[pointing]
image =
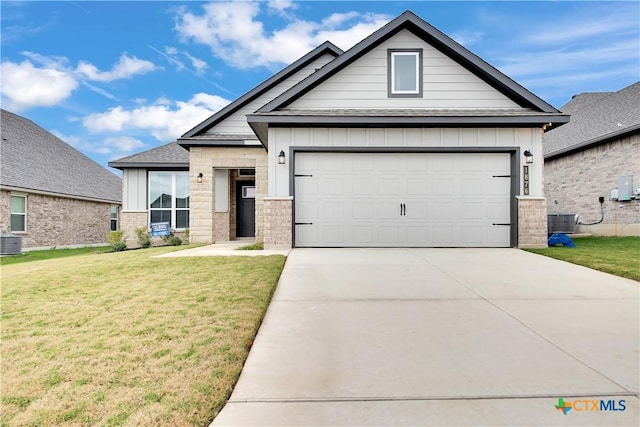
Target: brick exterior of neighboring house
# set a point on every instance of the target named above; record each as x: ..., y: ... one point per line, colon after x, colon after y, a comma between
x: 585, y: 158
x: 67, y: 198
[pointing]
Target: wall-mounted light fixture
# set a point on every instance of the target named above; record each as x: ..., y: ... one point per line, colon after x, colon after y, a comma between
x: 528, y: 157
x: 281, y: 158
x: 200, y: 178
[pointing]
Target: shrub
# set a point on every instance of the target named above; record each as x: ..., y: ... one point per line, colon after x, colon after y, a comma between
x: 144, y: 237
x: 172, y: 239
x: 116, y: 241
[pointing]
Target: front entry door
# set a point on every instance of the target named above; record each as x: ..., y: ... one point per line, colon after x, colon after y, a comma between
x: 246, y: 209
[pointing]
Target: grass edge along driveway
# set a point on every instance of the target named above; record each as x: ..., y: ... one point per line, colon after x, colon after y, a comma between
x: 614, y: 255
x: 124, y: 338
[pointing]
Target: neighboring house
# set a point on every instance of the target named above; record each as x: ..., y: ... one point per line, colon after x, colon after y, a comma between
x: 50, y: 193
x: 598, y: 152
x: 406, y: 139
x: 155, y: 189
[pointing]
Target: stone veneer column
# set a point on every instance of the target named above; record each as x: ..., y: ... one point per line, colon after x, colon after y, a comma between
x: 532, y: 222
x: 129, y: 221
x: 277, y: 221
x: 202, y: 225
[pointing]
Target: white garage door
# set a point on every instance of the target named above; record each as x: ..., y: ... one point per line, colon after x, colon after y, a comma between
x: 402, y: 200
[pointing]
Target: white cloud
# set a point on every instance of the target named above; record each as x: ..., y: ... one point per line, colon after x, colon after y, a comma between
x: 25, y: 86
x: 281, y: 5
x: 235, y: 34
x: 467, y: 38
x: 164, y: 121
x: 45, y: 81
x: 197, y: 63
x: 126, y: 67
x: 124, y: 143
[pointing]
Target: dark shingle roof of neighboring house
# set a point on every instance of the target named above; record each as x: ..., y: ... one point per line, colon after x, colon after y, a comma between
x: 595, y: 118
x: 169, y: 156
x: 33, y: 159
x: 410, y: 21
x: 324, y: 48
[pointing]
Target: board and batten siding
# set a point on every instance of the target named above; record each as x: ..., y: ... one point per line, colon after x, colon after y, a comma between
x: 236, y: 123
x: 283, y: 138
x: 134, y: 197
x: 363, y: 84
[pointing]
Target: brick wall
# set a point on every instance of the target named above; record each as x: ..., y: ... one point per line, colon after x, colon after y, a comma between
x: 532, y: 222
x: 574, y: 182
x: 277, y: 225
x: 59, y: 221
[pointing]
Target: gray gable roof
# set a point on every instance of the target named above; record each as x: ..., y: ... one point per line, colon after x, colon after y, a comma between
x: 326, y: 47
x: 595, y: 118
x: 34, y: 159
x: 169, y: 156
x: 410, y: 21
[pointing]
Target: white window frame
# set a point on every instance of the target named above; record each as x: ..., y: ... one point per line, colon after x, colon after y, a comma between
x: 112, y: 219
x: 19, y: 213
x: 396, y: 93
x: 173, y: 208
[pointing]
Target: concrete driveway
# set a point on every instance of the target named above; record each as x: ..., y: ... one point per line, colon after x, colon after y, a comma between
x: 441, y: 337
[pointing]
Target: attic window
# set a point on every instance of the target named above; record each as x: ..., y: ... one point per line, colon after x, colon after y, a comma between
x: 404, y: 73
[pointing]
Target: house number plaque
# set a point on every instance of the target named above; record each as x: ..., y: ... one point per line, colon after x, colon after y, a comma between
x: 525, y: 174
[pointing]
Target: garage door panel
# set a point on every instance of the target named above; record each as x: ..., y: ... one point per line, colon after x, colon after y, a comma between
x: 333, y: 234
x: 333, y: 210
x: 363, y: 210
x: 388, y: 210
x: 402, y: 199
x: 388, y: 235
x: 442, y: 210
x: 472, y: 210
x: 333, y: 186
x: 363, y: 235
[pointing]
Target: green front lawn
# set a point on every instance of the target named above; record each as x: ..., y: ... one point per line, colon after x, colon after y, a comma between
x: 51, y: 254
x: 124, y: 338
x: 615, y: 255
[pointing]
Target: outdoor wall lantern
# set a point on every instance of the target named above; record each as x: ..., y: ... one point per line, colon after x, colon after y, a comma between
x: 528, y: 156
x: 281, y: 157
x: 200, y: 178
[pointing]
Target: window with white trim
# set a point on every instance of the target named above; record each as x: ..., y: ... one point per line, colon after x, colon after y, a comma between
x: 114, y: 218
x: 18, y: 213
x: 405, y: 73
x: 169, y: 198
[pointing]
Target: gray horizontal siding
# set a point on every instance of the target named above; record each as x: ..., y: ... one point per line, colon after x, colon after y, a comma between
x: 446, y: 83
x: 236, y: 123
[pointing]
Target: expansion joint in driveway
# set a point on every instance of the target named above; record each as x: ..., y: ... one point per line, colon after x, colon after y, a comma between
x: 429, y: 398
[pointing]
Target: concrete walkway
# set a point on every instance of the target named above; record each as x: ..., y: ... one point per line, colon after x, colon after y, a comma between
x: 226, y: 249
x: 441, y: 337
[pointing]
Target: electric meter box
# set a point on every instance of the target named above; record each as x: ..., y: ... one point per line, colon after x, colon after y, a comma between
x: 625, y: 187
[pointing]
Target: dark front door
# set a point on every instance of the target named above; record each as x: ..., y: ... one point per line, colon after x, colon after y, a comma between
x: 246, y: 209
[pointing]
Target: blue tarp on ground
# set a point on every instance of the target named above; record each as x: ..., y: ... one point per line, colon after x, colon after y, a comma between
x: 561, y: 239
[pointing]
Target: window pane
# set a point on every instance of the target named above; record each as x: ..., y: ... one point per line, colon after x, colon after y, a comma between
x: 161, y: 216
x: 114, y: 225
x: 18, y: 222
x: 182, y: 189
x: 404, y: 78
x: 114, y: 212
x: 18, y: 204
x: 182, y: 219
x: 160, y: 190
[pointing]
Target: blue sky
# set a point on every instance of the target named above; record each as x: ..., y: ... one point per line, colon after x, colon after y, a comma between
x: 116, y: 78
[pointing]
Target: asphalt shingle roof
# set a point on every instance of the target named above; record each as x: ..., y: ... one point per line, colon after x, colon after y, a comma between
x: 595, y: 117
x: 169, y: 156
x: 34, y: 159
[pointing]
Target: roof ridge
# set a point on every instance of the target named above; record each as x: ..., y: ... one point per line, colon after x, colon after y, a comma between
x: 412, y: 22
